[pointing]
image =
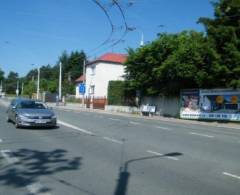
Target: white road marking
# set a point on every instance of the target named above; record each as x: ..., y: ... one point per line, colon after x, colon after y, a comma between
x: 203, y: 135
x: 75, y: 127
x: 7, y: 155
x: 223, y: 126
x: 1, y: 140
x: 113, y: 140
x: 231, y: 175
x: 114, y: 119
x: 36, y: 188
x: 163, y: 128
x: 134, y: 123
x: 159, y: 154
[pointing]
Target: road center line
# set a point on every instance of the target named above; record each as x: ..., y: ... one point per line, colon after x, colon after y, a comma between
x: 113, y: 140
x: 159, y: 154
x: 114, y: 119
x: 7, y: 155
x: 36, y: 189
x: 203, y: 135
x: 134, y: 123
x: 163, y: 128
x: 231, y: 175
x: 75, y: 127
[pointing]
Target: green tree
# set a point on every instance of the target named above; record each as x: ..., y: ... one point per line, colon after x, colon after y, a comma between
x: 224, y: 34
x: 30, y: 88
x: 1, y: 75
x: 192, y: 64
x: 49, y: 85
x: 72, y: 68
x: 172, y: 62
x: 72, y: 64
x: 11, y: 82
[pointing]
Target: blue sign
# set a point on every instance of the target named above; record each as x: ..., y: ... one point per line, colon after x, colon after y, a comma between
x: 82, y: 88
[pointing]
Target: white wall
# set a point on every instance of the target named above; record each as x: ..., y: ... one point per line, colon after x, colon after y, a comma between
x: 168, y: 106
x: 78, y: 95
x: 104, y: 73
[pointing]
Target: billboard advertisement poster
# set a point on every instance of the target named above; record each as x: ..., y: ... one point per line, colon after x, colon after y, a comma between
x: 212, y: 104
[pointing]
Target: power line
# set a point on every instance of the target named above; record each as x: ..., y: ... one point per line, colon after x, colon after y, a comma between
x: 110, y: 22
x: 125, y: 23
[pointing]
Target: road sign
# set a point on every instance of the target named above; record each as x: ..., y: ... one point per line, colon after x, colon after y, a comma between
x: 82, y: 88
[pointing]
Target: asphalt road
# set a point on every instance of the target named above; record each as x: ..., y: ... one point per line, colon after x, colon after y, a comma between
x: 101, y: 154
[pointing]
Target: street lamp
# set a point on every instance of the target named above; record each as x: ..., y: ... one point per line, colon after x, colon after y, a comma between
x: 60, y: 82
x: 38, y: 82
x: 17, y: 90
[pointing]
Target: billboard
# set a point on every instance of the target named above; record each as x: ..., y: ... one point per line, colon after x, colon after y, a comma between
x: 211, y: 104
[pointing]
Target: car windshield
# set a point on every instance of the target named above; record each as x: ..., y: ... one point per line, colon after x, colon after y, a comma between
x: 31, y: 105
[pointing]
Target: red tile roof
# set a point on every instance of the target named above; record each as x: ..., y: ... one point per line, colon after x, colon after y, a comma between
x: 80, y: 79
x: 112, y: 58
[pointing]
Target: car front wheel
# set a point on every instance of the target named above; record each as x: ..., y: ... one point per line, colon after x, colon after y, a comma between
x: 8, y: 120
x: 17, y: 122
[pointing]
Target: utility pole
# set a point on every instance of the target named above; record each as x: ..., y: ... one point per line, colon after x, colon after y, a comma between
x: 1, y: 88
x: 38, y: 84
x: 17, y: 90
x: 60, y: 82
x: 22, y: 88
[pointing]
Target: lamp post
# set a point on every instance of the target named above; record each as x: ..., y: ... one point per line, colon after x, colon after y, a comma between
x: 60, y: 82
x: 38, y: 81
x: 22, y: 88
x: 17, y: 90
x: 1, y: 87
x: 38, y: 84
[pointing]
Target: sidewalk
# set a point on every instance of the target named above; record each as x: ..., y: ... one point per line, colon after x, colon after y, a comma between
x: 79, y: 107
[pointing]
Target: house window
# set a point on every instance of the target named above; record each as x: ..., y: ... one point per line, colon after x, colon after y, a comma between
x: 91, y: 89
x: 93, y: 70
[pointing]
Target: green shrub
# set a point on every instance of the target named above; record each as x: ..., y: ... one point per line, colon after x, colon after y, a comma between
x: 116, y: 93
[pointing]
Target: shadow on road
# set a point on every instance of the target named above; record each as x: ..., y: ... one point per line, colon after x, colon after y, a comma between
x: 124, y: 174
x: 33, y: 164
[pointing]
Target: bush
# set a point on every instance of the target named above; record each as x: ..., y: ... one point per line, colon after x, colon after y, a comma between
x: 116, y: 93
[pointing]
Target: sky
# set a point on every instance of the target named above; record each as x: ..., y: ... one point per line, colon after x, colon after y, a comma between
x: 34, y: 33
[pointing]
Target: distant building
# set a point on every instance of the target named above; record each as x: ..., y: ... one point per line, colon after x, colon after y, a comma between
x: 99, y: 72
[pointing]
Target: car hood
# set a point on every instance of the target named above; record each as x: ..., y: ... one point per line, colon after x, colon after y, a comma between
x: 35, y: 112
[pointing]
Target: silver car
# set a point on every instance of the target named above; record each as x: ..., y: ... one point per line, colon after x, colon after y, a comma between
x: 30, y: 113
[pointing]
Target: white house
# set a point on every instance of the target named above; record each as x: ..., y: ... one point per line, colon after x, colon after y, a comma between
x: 99, y: 72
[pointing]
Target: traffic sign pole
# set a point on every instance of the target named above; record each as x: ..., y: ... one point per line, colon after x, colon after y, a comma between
x: 84, y: 76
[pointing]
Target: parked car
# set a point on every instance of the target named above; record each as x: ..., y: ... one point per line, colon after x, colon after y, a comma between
x: 30, y: 113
